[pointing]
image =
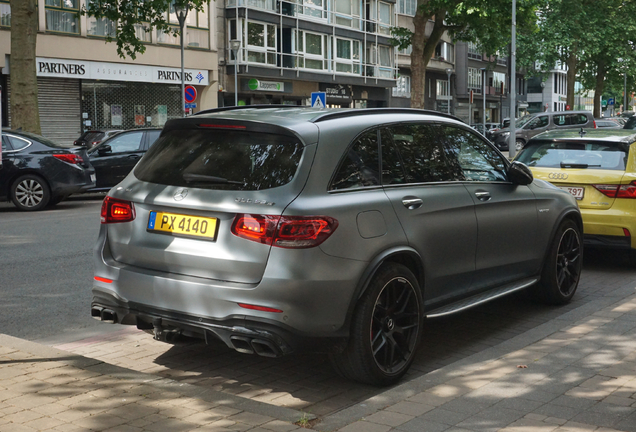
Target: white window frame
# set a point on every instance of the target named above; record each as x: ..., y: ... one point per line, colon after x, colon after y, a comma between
x: 407, y: 7
x: 442, y: 88
x: 383, y: 26
x: 269, y: 51
x: 497, y: 79
x: 402, y: 87
x: 355, y: 63
x: 474, y: 79
x: 350, y: 18
x: 318, y: 12
x: 473, y: 51
x: 302, y: 54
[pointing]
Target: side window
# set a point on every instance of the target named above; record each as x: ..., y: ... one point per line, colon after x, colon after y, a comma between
x: 126, y: 142
x: 421, y: 149
x: 392, y: 165
x: 478, y: 160
x: 562, y: 120
x: 17, y: 143
x: 581, y: 119
x: 6, y: 144
x: 152, y: 136
x: 360, y: 165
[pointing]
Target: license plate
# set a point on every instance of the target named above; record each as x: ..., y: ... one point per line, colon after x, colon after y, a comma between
x: 93, y: 177
x: 576, y: 192
x: 182, y: 225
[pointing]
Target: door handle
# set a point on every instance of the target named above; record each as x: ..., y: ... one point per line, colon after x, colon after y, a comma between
x: 133, y: 156
x: 483, y: 196
x: 412, y: 203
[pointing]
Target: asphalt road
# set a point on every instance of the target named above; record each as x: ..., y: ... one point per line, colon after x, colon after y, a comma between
x: 46, y: 270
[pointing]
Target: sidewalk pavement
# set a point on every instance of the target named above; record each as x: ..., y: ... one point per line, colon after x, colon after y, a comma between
x: 574, y: 373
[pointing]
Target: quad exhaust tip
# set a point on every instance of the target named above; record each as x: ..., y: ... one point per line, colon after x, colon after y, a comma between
x: 261, y: 347
x: 105, y: 315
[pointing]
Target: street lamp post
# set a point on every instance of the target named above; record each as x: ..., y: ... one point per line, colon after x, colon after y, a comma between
x: 235, y: 46
x: 182, y: 12
x: 449, y: 71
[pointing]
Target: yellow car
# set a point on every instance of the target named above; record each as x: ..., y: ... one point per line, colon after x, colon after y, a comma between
x: 598, y: 167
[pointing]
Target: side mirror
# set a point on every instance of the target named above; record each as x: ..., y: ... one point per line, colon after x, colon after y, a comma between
x: 105, y: 149
x: 519, y: 173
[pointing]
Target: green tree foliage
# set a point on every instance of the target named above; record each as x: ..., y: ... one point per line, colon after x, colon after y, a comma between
x: 485, y: 22
x: 130, y: 15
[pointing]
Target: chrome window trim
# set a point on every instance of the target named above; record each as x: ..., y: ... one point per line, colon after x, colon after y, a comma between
x: 29, y: 143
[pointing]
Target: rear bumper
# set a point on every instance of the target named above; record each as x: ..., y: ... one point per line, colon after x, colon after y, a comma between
x: 614, y: 242
x: 606, y: 227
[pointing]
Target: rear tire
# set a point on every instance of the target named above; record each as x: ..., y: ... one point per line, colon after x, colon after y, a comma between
x: 562, y: 269
x: 30, y: 193
x: 385, y: 331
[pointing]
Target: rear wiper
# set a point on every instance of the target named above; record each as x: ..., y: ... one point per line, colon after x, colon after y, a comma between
x: 209, y: 179
x: 577, y: 165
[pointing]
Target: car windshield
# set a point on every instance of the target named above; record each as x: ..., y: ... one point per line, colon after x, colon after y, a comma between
x: 575, y: 154
x: 228, y: 160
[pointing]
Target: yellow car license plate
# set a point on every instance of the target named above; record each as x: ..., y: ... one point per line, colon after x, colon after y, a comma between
x: 182, y: 225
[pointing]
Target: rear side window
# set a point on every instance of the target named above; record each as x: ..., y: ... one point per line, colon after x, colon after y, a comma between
x: 360, y: 165
x: 565, y: 154
x: 220, y: 159
x: 152, y: 136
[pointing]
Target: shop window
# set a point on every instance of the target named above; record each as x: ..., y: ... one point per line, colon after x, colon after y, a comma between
x: 311, y: 48
x: 402, y: 87
x: 407, y: 7
x: 347, y: 56
x: 62, y: 16
x: 261, y: 43
x: 5, y: 13
x: 385, y: 18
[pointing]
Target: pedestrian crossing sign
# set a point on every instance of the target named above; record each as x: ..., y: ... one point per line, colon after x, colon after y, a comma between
x: 318, y: 99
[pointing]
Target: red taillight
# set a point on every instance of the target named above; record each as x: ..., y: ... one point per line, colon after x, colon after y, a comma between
x: 259, y: 308
x: 626, y: 232
x: 69, y: 158
x: 594, y: 124
x: 219, y: 126
x: 295, y: 232
x: 101, y: 279
x: 115, y: 211
x: 618, y: 191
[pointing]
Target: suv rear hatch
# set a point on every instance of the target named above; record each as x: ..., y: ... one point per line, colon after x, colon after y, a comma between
x: 199, y: 183
x: 592, y: 171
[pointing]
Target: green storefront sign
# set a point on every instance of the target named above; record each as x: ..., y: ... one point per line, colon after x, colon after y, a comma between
x: 270, y: 86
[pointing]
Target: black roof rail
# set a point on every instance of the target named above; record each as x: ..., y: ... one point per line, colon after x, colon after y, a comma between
x: 363, y: 111
x: 232, y: 108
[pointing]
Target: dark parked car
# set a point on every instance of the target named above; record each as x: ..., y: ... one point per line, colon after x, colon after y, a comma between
x: 490, y: 128
x: 274, y: 228
x: 607, y: 124
x: 115, y: 157
x: 37, y: 172
x: 91, y: 138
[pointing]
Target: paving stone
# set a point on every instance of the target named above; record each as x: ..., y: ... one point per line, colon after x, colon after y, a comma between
x: 389, y: 418
x: 419, y: 424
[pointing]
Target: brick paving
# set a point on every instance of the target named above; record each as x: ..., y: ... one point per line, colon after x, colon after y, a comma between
x: 508, y: 366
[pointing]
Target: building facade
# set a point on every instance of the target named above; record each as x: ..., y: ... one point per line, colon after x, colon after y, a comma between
x: 83, y: 83
x: 286, y: 50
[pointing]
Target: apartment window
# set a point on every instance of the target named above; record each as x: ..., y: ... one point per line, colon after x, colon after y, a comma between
x: 198, y: 32
x: 407, y: 7
x: 5, y: 13
x: 261, y: 43
x: 402, y: 87
x: 260, y: 4
x: 474, y: 79
x: 314, y: 8
x: 347, y: 55
x: 62, y: 15
x: 474, y: 52
x: 445, y: 51
x: 347, y: 13
x: 102, y: 27
x: 385, y: 18
x: 406, y: 51
x: 311, y: 50
x: 499, y: 82
x: 501, y: 59
x: 443, y: 89
x: 385, y: 54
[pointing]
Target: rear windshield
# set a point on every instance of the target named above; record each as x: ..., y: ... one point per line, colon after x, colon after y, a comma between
x: 564, y: 154
x: 92, y: 136
x: 219, y: 159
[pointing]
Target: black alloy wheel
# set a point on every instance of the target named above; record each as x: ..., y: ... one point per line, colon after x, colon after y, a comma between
x: 386, y: 329
x: 562, y: 269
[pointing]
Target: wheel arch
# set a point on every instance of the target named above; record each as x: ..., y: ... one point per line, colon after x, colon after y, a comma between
x: 569, y: 214
x: 404, y: 255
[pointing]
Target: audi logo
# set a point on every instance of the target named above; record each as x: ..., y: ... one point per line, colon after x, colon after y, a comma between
x: 557, y: 176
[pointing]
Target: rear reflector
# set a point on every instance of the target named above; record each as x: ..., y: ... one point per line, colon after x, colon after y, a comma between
x: 101, y: 279
x: 115, y: 211
x: 293, y: 232
x: 618, y: 191
x: 626, y: 232
x: 71, y: 158
x: 259, y: 308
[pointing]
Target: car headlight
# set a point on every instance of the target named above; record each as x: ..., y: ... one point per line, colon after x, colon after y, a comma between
x: 504, y: 134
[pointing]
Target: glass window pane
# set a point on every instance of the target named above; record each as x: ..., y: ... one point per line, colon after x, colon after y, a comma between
x: 100, y: 27
x: 57, y: 3
x: 61, y: 21
x: 344, y: 6
x: 204, y: 21
x: 313, y: 64
x: 313, y: 44
x: 360, y: 166
x: 126, y: 142
x: 271, y: 36
x: 356, y: 50
x: 478, y: 160
x: 256, y: 34
x: 385, y: 56
x: 343, y: 49
x: 257, y: 57
x: 385, y: 13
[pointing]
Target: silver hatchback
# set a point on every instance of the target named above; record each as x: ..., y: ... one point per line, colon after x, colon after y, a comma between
x: 276, y: 229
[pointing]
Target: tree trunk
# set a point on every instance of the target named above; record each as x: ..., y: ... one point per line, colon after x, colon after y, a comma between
x: 598, y: 90
x: 423, y: 50
x: 571, y: 78
x: 24, y: 86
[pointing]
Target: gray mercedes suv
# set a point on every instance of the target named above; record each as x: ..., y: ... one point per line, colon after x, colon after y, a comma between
x: 276, y: 229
